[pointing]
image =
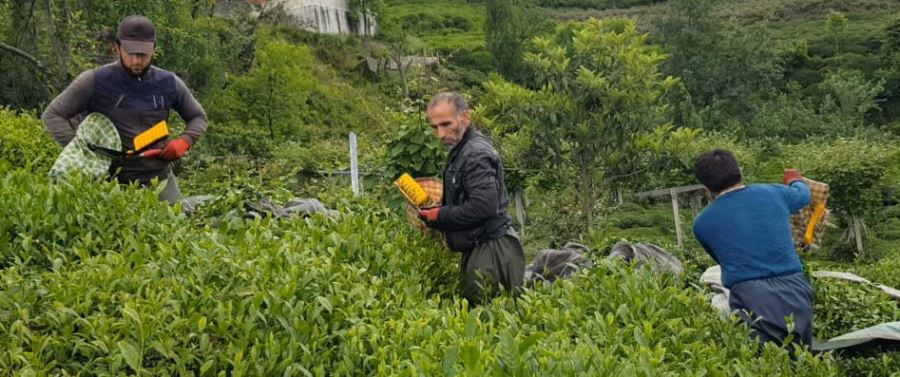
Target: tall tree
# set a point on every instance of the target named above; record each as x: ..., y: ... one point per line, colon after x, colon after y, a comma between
x: 509, y: 25
x: 368, y: 11
x: 727, y: 70
x: 400, y: 45
x: 502, y: 28
x: 600, y: 90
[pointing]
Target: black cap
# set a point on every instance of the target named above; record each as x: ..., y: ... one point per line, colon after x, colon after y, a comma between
x: 137, y: 35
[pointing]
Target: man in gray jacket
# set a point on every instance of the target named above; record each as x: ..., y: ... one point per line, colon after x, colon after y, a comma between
x: 135, y: 96
x: 473, y: 214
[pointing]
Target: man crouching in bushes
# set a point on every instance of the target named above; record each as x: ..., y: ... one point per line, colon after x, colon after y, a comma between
x: 473, y: 213
x: 746, y: 229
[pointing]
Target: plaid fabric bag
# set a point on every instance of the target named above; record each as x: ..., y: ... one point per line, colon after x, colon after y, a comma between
x: 77, y: 156
x: 808, y: 225
x: 434, y: 187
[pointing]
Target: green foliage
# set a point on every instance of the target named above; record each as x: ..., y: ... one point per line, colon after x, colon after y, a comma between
x: 25, y: 142
x: 837, y: 24
x: 64, y: 39
x: 851, y: 93
x: 443, y: 26
x: 509, y: 25
x: 426, y: 22
x: 670, y: 155
x: 149, y: 292
x: 842, y: 307
x: 726, y: 70
x: 204, y: 52
x: 853, y: 168
x: 601, y: 87
x: 43, y: 224
x: 268, y: 98
x: 595, y: 4
x: 414, y: 149
x: 793, y: 116
x: 287, y: 96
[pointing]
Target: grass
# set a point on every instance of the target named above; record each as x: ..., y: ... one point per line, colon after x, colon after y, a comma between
x: 467, y: 17
x: 774, y: 12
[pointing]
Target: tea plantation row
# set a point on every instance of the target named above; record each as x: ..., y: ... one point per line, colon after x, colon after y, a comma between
x: 99, y: 280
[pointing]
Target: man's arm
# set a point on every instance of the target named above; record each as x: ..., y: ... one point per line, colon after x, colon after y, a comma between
x: 191, y: 111
x: 483, y: 195
x: 58, y: 116
x: 796, y: 195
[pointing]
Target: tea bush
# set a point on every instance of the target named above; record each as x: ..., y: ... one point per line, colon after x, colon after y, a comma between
x: 130, y: 286
x: 24, y: 141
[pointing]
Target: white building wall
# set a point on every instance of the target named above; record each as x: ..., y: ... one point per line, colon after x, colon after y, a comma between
x: 323, y: 16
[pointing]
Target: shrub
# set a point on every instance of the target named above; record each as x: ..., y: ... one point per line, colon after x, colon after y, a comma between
x: 43, y: 224
x: 25, y: 142
x: 853, y: 168
x: 146, y: 291
x: 414, y: 149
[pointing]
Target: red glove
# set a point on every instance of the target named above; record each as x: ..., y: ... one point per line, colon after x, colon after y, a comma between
x: 151, y: 153
x: 429, y: 214
x: 175, y: 150
x: 791, y: 175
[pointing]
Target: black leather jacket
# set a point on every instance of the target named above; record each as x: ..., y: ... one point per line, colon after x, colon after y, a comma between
x: 474, y: 205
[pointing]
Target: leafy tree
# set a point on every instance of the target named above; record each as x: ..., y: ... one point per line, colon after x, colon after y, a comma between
x: 600, y: 89
x: 502, y: 29
x: 400, y: 45
x: 727, y: 70
x: 851, y: 93
x: 270, y: 96
x: 508, y: 27
x: 837, y: 24
x: 368, y: 11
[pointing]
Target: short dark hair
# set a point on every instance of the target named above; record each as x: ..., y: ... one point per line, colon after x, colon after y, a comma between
x: 718, y: 170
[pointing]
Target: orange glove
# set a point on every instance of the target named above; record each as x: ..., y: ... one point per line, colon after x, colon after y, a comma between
x: 175, y: 150
x: 791, y: 175
x: 429, y: 214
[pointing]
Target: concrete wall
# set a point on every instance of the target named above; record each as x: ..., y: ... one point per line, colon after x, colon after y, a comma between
x: 325, y: 16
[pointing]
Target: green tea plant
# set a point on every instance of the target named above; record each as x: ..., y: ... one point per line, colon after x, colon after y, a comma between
x: 133, y: 287
x: 414, y: 149
x: 24, y: 141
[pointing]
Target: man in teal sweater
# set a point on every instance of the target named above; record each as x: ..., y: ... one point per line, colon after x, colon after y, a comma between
x: 746, y: 229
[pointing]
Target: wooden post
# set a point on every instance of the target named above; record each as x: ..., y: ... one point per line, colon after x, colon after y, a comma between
x: 619, y: 196
x: 354, y: 165
x: 675, y: 211
x: 520, y: 212
x: 695, y: 203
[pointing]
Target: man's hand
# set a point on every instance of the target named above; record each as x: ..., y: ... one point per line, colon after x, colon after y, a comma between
x: 791, y: 175
x: 429, y: 214
x: 175, y: 150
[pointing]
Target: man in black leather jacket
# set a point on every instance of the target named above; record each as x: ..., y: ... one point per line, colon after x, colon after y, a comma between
x: 473, y: 213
